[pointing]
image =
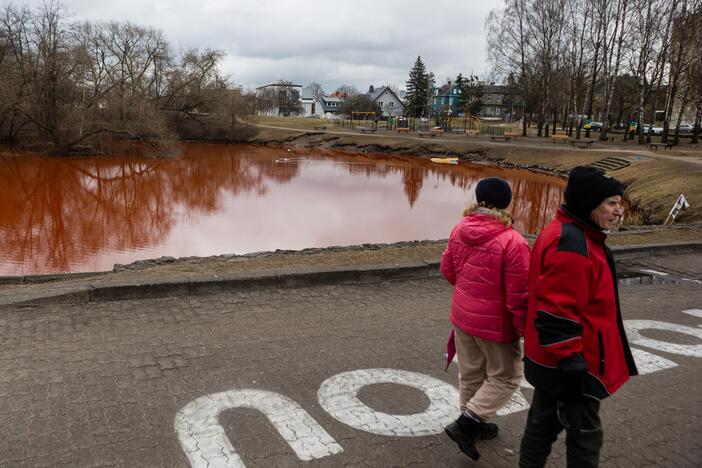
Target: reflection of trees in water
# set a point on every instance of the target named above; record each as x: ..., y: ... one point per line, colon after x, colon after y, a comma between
x: 535, y: 197
x: 60, y: 212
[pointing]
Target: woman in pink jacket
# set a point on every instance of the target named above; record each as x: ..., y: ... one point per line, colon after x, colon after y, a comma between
x: 487, y: 261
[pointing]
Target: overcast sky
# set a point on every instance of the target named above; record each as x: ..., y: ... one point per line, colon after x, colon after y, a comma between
x: 359, y: 42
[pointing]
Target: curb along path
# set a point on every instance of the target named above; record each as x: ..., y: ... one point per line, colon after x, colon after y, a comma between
x: 85, y: 288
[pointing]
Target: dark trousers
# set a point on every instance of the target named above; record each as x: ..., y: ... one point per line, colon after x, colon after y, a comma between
x: 583, y: 431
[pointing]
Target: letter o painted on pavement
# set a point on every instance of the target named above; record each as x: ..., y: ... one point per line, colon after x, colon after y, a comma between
x: 338, y: 395
x: 633, y: 328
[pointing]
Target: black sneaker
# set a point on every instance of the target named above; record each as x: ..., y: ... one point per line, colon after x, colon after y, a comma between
x: 463, y: 431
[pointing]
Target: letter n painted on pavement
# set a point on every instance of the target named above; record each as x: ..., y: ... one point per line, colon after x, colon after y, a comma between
x: 206, y: 445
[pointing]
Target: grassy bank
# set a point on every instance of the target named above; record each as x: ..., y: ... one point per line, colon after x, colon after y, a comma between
x: 653, y: 178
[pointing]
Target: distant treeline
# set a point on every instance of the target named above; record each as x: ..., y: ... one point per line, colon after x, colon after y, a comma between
x: 66, y: 85
x: 616, y: 61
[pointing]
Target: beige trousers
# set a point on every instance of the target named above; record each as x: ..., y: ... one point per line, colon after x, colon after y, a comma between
x: 488, y: 373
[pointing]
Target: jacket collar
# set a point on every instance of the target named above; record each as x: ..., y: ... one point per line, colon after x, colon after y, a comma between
x: 564, y: 216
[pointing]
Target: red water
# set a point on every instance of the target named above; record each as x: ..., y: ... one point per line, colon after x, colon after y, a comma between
x: 86, y: 214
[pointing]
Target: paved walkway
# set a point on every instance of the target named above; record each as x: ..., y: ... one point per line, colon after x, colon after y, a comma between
x: 270, y: 377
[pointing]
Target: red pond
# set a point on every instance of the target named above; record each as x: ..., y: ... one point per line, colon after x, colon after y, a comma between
x: 86, y: 214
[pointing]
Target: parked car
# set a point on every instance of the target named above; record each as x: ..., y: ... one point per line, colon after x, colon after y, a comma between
x: 685, y: 128
x: 653, y: 131
x: 596, y: 126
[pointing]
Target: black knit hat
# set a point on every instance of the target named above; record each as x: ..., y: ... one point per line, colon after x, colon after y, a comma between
x: 587, y: 188
x: 493, y: 192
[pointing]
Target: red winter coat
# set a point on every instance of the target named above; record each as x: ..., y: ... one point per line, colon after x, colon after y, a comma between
x: 488, y: 263
x: 574, y: 310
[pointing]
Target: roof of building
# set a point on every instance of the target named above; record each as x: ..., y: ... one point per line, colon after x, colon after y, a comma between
x: 276, y: 85
x: 377, y: 92
x: 333, y: 99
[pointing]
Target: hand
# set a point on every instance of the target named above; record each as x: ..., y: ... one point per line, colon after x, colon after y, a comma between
x: 572, y: 385
x: 573, y: 370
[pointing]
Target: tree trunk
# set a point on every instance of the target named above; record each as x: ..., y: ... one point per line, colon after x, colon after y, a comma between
x: 683, y: 104
x: 698, y: 122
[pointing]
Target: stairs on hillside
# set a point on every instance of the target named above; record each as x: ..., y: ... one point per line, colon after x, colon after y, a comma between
x: 611, y: 164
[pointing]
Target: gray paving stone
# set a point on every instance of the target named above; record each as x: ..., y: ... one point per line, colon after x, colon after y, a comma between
x: 100, y: 384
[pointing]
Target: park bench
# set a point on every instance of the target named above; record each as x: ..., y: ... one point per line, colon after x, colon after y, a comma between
x: 513, y: 135
x: 426, y: 134
x: 665, y: 145
x: 320, y: 127
x: 582, y: 143
x: 402, y: 129
x: 437, y: 131
x: 472, y: 133
x: 499, y: 138
x: 563, y: 138
x: 366, y: 129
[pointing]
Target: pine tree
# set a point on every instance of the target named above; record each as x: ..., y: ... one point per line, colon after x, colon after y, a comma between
x: 417, y: 89
x: 471, y: 94
x: 463, y: 96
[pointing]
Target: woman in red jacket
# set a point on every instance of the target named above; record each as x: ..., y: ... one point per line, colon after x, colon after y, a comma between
x: 488, y: 263
x: 576, y: 351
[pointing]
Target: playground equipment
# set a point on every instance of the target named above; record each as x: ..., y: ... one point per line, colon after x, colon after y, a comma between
x: 405, y: 123
x: 460, y: 124
x: 369, y: 120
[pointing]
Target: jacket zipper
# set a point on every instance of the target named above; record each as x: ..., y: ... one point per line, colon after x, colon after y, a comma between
x: 602, y: 359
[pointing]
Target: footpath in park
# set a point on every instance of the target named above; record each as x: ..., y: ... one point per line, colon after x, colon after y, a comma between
x: 315, y: 366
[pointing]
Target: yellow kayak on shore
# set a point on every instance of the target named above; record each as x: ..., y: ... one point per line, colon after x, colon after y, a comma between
x: 445, y: 160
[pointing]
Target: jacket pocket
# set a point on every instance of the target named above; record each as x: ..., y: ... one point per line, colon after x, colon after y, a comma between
x: 602, y: 353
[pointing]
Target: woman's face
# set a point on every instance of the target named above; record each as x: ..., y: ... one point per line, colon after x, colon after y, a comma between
x: 609, y: 213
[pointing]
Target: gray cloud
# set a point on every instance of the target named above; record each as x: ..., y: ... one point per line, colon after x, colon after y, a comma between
x: 361, y: 42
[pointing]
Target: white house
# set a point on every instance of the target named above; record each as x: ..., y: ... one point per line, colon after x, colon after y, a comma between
x: 388, y: 102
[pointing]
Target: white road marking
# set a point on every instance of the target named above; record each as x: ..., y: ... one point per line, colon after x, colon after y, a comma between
x: 648, y: 363
x: 633, y: 328
x: 338, y: 395
x: 205, y: 443
x: 525, y: 384
x: 692, y: 280
x: 694, y: 312
x: 516, y: 404
x: 654, y: 272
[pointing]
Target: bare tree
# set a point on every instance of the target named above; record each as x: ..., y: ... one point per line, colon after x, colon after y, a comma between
x: 65, y: 85
x: 613, y: 57
x: 316, y: 89
x: 347, y: 90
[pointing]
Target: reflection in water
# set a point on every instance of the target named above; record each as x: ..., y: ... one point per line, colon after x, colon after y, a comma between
x: 85, y: 214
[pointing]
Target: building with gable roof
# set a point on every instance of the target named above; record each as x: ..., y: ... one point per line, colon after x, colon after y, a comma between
x: 389, y: 103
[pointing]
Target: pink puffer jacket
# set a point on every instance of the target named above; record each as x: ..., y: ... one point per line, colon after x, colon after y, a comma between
x: 488, y: 263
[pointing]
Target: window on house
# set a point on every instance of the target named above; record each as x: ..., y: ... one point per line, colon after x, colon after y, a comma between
x: 380, y: 103
x: 391, y: 104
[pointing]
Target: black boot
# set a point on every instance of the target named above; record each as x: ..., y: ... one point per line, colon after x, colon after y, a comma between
x: 464, y: 431
x: 488, y: 430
